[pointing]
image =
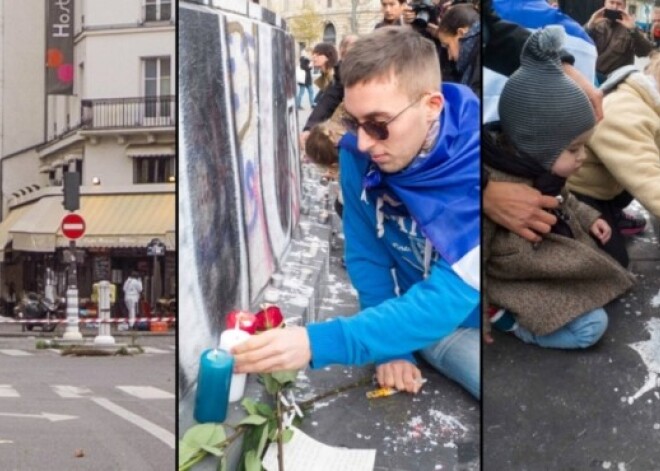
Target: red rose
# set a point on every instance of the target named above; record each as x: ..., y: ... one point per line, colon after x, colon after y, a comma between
x: 246, y: 321
x: 269, y: 317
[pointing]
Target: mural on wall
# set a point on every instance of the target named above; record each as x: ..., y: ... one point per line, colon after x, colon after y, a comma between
x: 238, y: 167
x: 212, y: 259
x: 243, y: 75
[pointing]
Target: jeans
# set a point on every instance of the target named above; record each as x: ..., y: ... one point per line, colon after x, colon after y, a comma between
x: 301, y: 92
x: 457, y: 357
x: 581, y: 332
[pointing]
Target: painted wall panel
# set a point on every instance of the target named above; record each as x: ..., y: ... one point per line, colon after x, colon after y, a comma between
x: 239, y: 168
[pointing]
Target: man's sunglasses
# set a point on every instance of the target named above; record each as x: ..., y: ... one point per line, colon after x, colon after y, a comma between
x: 375, y: 129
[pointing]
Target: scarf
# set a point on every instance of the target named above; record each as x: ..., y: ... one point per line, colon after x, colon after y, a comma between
x: 469, y: 48
x: 440, y: 189
x: 507, y: 159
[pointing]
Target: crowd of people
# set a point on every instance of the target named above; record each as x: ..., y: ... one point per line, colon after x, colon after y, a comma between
x: 573, y: 138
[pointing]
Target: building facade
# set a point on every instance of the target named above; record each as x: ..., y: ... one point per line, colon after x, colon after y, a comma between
x: 337, y: 16
x: 113, y: 124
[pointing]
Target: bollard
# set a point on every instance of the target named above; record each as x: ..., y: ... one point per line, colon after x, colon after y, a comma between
x: 71, y: 331
x: 104, y: 337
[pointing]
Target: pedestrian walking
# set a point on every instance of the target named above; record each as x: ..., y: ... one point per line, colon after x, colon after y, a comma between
x: 304, y: 79
x: 132, y: 293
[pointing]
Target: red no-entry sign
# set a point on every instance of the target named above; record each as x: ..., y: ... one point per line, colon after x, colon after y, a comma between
x: 73, y: 226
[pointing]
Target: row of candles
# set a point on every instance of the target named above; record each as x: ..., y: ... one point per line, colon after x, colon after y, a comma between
x: 217, y: 385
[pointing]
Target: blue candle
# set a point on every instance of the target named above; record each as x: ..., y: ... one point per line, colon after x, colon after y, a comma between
x: 213, y: 383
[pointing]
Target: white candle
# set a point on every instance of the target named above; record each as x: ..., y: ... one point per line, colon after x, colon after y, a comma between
x: 228, y: 339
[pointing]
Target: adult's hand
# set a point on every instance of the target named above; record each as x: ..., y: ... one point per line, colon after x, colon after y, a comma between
x: 273, y: 350
x: 595, y: 95
x: 519, y: 208
x: 627, y: 20
x: 597, y: 17
x: 399, y: 374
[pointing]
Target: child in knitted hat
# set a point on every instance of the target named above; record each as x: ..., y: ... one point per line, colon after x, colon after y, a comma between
x: 550, y: 293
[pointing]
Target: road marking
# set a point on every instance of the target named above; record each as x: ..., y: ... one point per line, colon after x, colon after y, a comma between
x: 70, y: 391
x: 158, y: 432
x: 173, y: 347
x: 15, y: 353
x: 7, y: 391
x: 43, y: 415
x: 154, y: 350
x: 6, y: 441
x: 146, y: 392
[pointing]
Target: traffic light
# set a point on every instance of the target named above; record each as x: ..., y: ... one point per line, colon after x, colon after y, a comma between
x: 71, y: 191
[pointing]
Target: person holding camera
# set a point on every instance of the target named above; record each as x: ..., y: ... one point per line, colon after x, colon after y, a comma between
x: 617, y: 38
x: 392, y: 11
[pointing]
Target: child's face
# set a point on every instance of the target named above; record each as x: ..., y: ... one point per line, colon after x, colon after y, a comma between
x: 571, y: 159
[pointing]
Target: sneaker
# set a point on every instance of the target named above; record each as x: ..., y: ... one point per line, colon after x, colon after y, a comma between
x: 630, y: 225
x: 502, y: 319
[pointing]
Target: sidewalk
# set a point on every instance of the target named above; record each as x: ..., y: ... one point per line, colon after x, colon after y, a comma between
x: 575, y: 410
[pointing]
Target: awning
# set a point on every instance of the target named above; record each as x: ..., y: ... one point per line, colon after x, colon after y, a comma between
x: 150, y: 151
x: 6, y: 225
x: 122, y: 220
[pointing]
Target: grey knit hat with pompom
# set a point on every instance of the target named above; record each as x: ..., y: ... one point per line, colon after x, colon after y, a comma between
x: 541, y: 109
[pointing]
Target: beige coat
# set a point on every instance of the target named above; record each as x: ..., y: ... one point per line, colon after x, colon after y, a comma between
x: 624, y: 152
x: 551, y: 283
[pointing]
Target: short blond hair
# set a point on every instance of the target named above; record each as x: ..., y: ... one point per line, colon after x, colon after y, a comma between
x: 397, y: 50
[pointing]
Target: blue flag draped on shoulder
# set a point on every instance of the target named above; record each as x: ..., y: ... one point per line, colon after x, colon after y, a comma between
x: 535, y: 14
x: 442, y: 191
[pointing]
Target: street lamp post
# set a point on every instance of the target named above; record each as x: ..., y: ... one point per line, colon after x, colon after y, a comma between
x: 155, y: 249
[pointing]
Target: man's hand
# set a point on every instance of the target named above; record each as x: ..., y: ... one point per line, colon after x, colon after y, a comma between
x: 597, y: 17
x: 399, y: 374
x: 273, y: 350
x: 627, y: 20
x: 594, y: 95
x: 520, y: 209
x: 601, y: 230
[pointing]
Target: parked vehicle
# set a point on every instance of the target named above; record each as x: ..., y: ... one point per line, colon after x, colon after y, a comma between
x: 35, y: 307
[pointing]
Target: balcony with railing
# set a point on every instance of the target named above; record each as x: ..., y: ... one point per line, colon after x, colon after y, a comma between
x: 111, y: 113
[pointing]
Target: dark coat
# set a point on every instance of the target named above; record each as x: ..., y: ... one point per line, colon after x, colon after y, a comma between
x: 617, y: 46
x: 327, y: 102
x: 306, y: 65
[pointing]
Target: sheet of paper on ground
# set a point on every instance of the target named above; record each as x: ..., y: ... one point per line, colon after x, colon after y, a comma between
x: 303, y: 453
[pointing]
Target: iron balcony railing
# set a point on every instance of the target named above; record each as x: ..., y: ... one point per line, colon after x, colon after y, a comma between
x: 157, y: 111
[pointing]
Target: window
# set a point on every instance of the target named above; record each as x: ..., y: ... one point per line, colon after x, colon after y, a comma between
x: 153, y: 169
x: 329, y: 34
x: 157, y: 10
x: 632, y: 9
x: 157, y: 83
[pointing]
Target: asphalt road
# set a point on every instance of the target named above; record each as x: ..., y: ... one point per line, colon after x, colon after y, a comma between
x: 117, y: 412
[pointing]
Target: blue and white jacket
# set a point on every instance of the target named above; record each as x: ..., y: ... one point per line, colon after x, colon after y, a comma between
x: 415, y: 266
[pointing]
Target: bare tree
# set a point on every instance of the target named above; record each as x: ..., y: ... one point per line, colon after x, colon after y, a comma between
x: 307, y: 27
x: 355, y: 6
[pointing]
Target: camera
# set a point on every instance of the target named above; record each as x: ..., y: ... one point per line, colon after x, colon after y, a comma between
x: 612, y: 15
x: 425, y: 13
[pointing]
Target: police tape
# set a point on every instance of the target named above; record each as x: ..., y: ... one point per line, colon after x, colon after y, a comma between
x: 60, y: 320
